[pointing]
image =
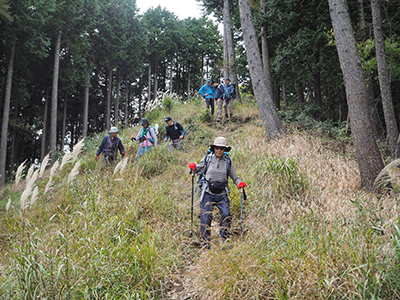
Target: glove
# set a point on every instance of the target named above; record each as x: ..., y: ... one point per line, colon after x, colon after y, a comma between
x: 242, y: 184
x: 97, y: 157
x: 122, y: 154
x: 192, y: 166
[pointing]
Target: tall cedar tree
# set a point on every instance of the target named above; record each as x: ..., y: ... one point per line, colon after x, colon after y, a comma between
x: 270, y: 118
x: 368, y: 157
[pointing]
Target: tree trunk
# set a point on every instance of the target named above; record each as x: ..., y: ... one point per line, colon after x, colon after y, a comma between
x: 64, y: 123
x: 384, y: 81
x: 44, y: 142
x: 188, y: 83
x: 126, y: 117
x: 263, y: 96
x: 265, y: 51
x: 149, y: 81
x: 155, y: 79
x: 171, y: 80
x: 317, y: 78
x: 6, y: 117
x: 231, y: 48
x: 117, y: 92
x: 109, y: 93
x: 86, y: 103
x: 226, y: 58
x: 368, y: 157
x: 54, y: 95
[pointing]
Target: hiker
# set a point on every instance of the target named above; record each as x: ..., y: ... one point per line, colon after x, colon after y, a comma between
x: 176, y: 132
x: 147, y: 137
x: 219, y: 99
x: 229, y: 95
x: 207, y: 91
x: 108, y: 149
x: 216, y: 167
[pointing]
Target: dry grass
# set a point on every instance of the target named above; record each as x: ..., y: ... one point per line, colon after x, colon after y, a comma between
x: 18, y: 174
x: 45, y: 163
x: 313, y: 233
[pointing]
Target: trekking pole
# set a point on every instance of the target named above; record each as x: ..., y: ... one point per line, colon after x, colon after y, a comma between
x: 191, y: 225
x: 242, y: 198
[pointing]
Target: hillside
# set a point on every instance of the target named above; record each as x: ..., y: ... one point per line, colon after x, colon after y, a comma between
x: 311, y: 231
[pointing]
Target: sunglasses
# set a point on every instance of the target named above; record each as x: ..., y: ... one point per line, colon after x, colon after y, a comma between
x: 219, y: 148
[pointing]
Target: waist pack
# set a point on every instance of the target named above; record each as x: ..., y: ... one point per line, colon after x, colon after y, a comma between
x: 217, y: 187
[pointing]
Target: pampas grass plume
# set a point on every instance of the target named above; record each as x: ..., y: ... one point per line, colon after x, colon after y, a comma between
x: 49, y: 185
x: 74, y: 171
x: 18, y: 174
x: 66, y: 159
x: 34, y: 195
x: 121, y: 166
x: 44, y: 165
x: 29, y: 174
x: 78, y: 149
x: 54, y: 168
x: 8, y: 205
x: 28, y: 190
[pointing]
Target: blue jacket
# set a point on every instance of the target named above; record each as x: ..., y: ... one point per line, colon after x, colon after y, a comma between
x: 229, y: 91
x: 207, y: 89
x: 108, y: 145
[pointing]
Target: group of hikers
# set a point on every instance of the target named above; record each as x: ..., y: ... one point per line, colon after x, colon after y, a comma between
x: 147, y: 138
x: 214, y: 169
x: 223, y: 94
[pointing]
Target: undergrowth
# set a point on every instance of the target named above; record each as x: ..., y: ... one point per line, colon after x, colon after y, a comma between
x: 308, y: 229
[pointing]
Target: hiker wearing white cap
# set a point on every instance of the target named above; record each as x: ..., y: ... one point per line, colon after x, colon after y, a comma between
x: 109, y: 149
x: 207, y: 91
x: 216, y: 167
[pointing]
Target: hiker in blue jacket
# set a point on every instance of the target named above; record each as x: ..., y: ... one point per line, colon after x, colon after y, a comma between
x: 147, y: 137
x: 175, y: 132
x: 207, y: 91
x: 229, y: 95
x: 108, y: 149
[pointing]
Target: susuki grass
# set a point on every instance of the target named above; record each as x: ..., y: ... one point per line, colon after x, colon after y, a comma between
x: 312, y: 232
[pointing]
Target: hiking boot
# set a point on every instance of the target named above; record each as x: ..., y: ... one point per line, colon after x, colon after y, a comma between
x: 219, y: 120
x: 226, y: 116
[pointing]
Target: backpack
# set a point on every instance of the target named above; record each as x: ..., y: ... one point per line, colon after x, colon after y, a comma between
x: 202, y: 175
x: 175, y: 127
x: 108, y: 152
x: 149, y: 131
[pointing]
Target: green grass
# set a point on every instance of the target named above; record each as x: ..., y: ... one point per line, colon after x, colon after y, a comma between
x: 312, y: 232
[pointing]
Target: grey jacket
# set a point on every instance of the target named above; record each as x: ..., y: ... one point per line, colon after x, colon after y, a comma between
x: 217, y: 171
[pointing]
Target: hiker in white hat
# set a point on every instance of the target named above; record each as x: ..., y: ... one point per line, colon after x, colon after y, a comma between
x: 216, y: 167
x: 108, y: 149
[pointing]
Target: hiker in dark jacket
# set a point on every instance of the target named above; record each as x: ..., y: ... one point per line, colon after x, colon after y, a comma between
x: 219, y: 99
x: 207, y: 91
x: 175, y: 132
x: 216, y: 167
x: 108, y: 149
x: 147, y: 137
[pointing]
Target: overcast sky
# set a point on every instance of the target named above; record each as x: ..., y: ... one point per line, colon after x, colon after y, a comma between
x: 181, y: 8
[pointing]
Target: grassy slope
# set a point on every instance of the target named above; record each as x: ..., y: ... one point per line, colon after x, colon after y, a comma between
x: 313, y: 233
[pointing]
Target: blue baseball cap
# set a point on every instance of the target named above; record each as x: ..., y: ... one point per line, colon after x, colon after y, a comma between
x: 208, y: 80
x: 167, y: 119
